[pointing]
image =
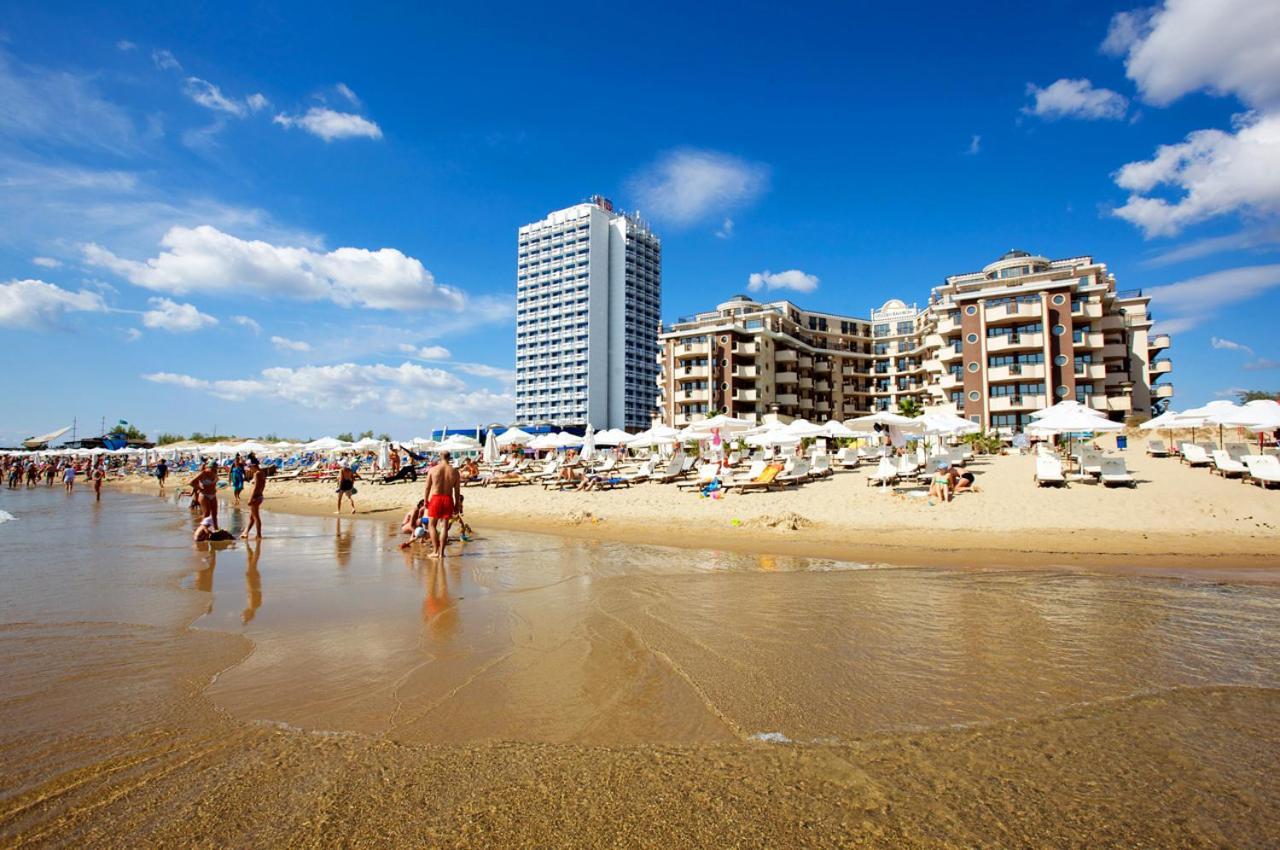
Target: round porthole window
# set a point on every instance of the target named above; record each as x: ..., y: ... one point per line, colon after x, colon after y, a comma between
x: 974, y: 395
x: 724, y: 339
x: 724, y: 386
x: 972, y: 338
x: 1060, y: 360
x: 971, y: 310
x: 973, y: 367
x: 1059, y: 330
x: 1059, y: 298
x: 1062, y: 392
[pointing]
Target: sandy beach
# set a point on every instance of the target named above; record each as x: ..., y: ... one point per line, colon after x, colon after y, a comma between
x: 1176, y: 517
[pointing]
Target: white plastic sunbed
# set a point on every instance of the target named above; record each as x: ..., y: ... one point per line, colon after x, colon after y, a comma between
x: 1226, y: 467
x: 885, y: 473
x: 847, y: 458
x: 1114, y: 474
x: 795, y: 473
x: 675, y: 468
x: 1193, y: 455
x: 1090, y: 463
x: 821, y: 466
x: 1156, y: 448
x: 1264, y: 470
x: 1049, y: 471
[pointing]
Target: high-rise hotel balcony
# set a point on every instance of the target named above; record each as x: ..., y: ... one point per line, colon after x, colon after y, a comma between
x: 1014, y: 342
x: 1162, y: 391
x: 1114, y: 350
x: 785, y: 355
x: 805, y: 362
x: 787, y: 399
x: 1016, y: 372
x: 951, y: 382
x: 746, y: 348
x: 786, y: 378
x: 742, y: 370
x: 697, y: 349
x: 1163, y: 366
x: 1158, y: 341
x: 1003, y: 314
x: 746, y: 395
x: 1016, y: 402
x: 692, y: 373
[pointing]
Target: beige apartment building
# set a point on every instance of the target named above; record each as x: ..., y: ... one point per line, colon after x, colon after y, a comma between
x: 995, y: 345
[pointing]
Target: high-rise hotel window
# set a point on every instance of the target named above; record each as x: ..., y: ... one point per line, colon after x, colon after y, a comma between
x: 1078, y: 333
x: 881, y: 329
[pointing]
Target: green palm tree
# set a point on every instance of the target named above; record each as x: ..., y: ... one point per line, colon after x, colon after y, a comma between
x: 910, y: 408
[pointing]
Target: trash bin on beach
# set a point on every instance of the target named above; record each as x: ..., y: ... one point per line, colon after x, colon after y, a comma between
x: 1122, y: 442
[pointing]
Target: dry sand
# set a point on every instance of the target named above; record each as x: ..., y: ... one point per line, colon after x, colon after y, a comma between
x: 1176, y: 517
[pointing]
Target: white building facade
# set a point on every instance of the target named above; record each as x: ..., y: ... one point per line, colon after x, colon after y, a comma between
x: 588, y: 301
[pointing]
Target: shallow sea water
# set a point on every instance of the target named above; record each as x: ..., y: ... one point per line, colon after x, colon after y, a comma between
x: 1120, y: 695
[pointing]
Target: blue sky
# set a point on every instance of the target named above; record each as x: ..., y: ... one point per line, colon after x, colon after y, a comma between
x: 271, y: 220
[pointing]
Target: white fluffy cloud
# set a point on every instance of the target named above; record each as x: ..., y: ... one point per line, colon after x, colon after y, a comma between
x: 246, y: 322
x: 1217, y: 173
x: 167, y: 315
x: 1075, y: 99
x: 206, y: 260
x: 329, y: 124
x: 685, y: 186
x: 46, y: 262
x: 792, y: 279
x: 286, y: 344
x: 1223, y: 46
x: 1229, y: 345
x: 210, y: 96
x: 36, y: 305
x: 409, y: 390
x: 1190, y: 302
x: 426, y: 352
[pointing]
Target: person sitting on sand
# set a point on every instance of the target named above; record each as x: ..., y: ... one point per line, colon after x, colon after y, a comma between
x: 205, y: 531
x: 964, y: 483
x: 943, y: 483
x: 413, y: 517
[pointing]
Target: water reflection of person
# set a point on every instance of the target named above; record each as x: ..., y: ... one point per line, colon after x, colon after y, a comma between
x: 439, y: 611
x: 252, y: 583
x: 342, y: 544
x: 204, y: 573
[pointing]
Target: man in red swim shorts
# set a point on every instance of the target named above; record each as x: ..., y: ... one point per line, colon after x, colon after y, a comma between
x: 442, y: 493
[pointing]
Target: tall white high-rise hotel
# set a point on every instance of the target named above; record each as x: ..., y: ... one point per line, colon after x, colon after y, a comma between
x: 588, y: 295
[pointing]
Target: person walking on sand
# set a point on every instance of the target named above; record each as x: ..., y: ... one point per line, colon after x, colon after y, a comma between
x: 236, y: 476
x: 347, y: 476
x: 258, y: 479
x: 442, y: 493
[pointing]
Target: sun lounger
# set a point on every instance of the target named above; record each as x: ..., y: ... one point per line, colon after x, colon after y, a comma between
x: 1235, y: 451
x: 674, y: 469
x: 821, y: 467
x: 757, y: 467
x: 1091, y: 463
x: 707, y: 473
x: 1264, y: 470
x: 886, y: 472
x: 796, y: 474
x: 958, y: 456
x: 1193, y: 455
x: 847, y: 458
x: 1226, y: 467
x: 1114, y: 474
x: 1049, y: 471
x: 763, y: 481
x: 1157, y: 448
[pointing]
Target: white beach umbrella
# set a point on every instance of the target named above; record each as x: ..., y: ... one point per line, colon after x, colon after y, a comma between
x: 1069, y: 421
x: 589, y: 443
x: 1066, y: 405
x: 946, y: 424
x: 1266, y: 415
x: 491, y: 453
x: 722, y: 423
x: 1220, y: 413
x: 839, y: 431
x: 612, y: 437
x: 1167, y: 420
x: 804, y: 429
x: 543, y: 442
x: 325, y: 444
x: 384, y: 454
x: 513, y: 437
x: 458, y: 444
x: 884, y: 417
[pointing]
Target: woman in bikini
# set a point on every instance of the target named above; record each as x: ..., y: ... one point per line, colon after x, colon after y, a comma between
x: 204, y: 488
x: 347, y: 486
x: 258, y: 478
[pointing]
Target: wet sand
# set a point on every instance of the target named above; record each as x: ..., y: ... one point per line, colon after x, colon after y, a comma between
x: 324, y: 688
